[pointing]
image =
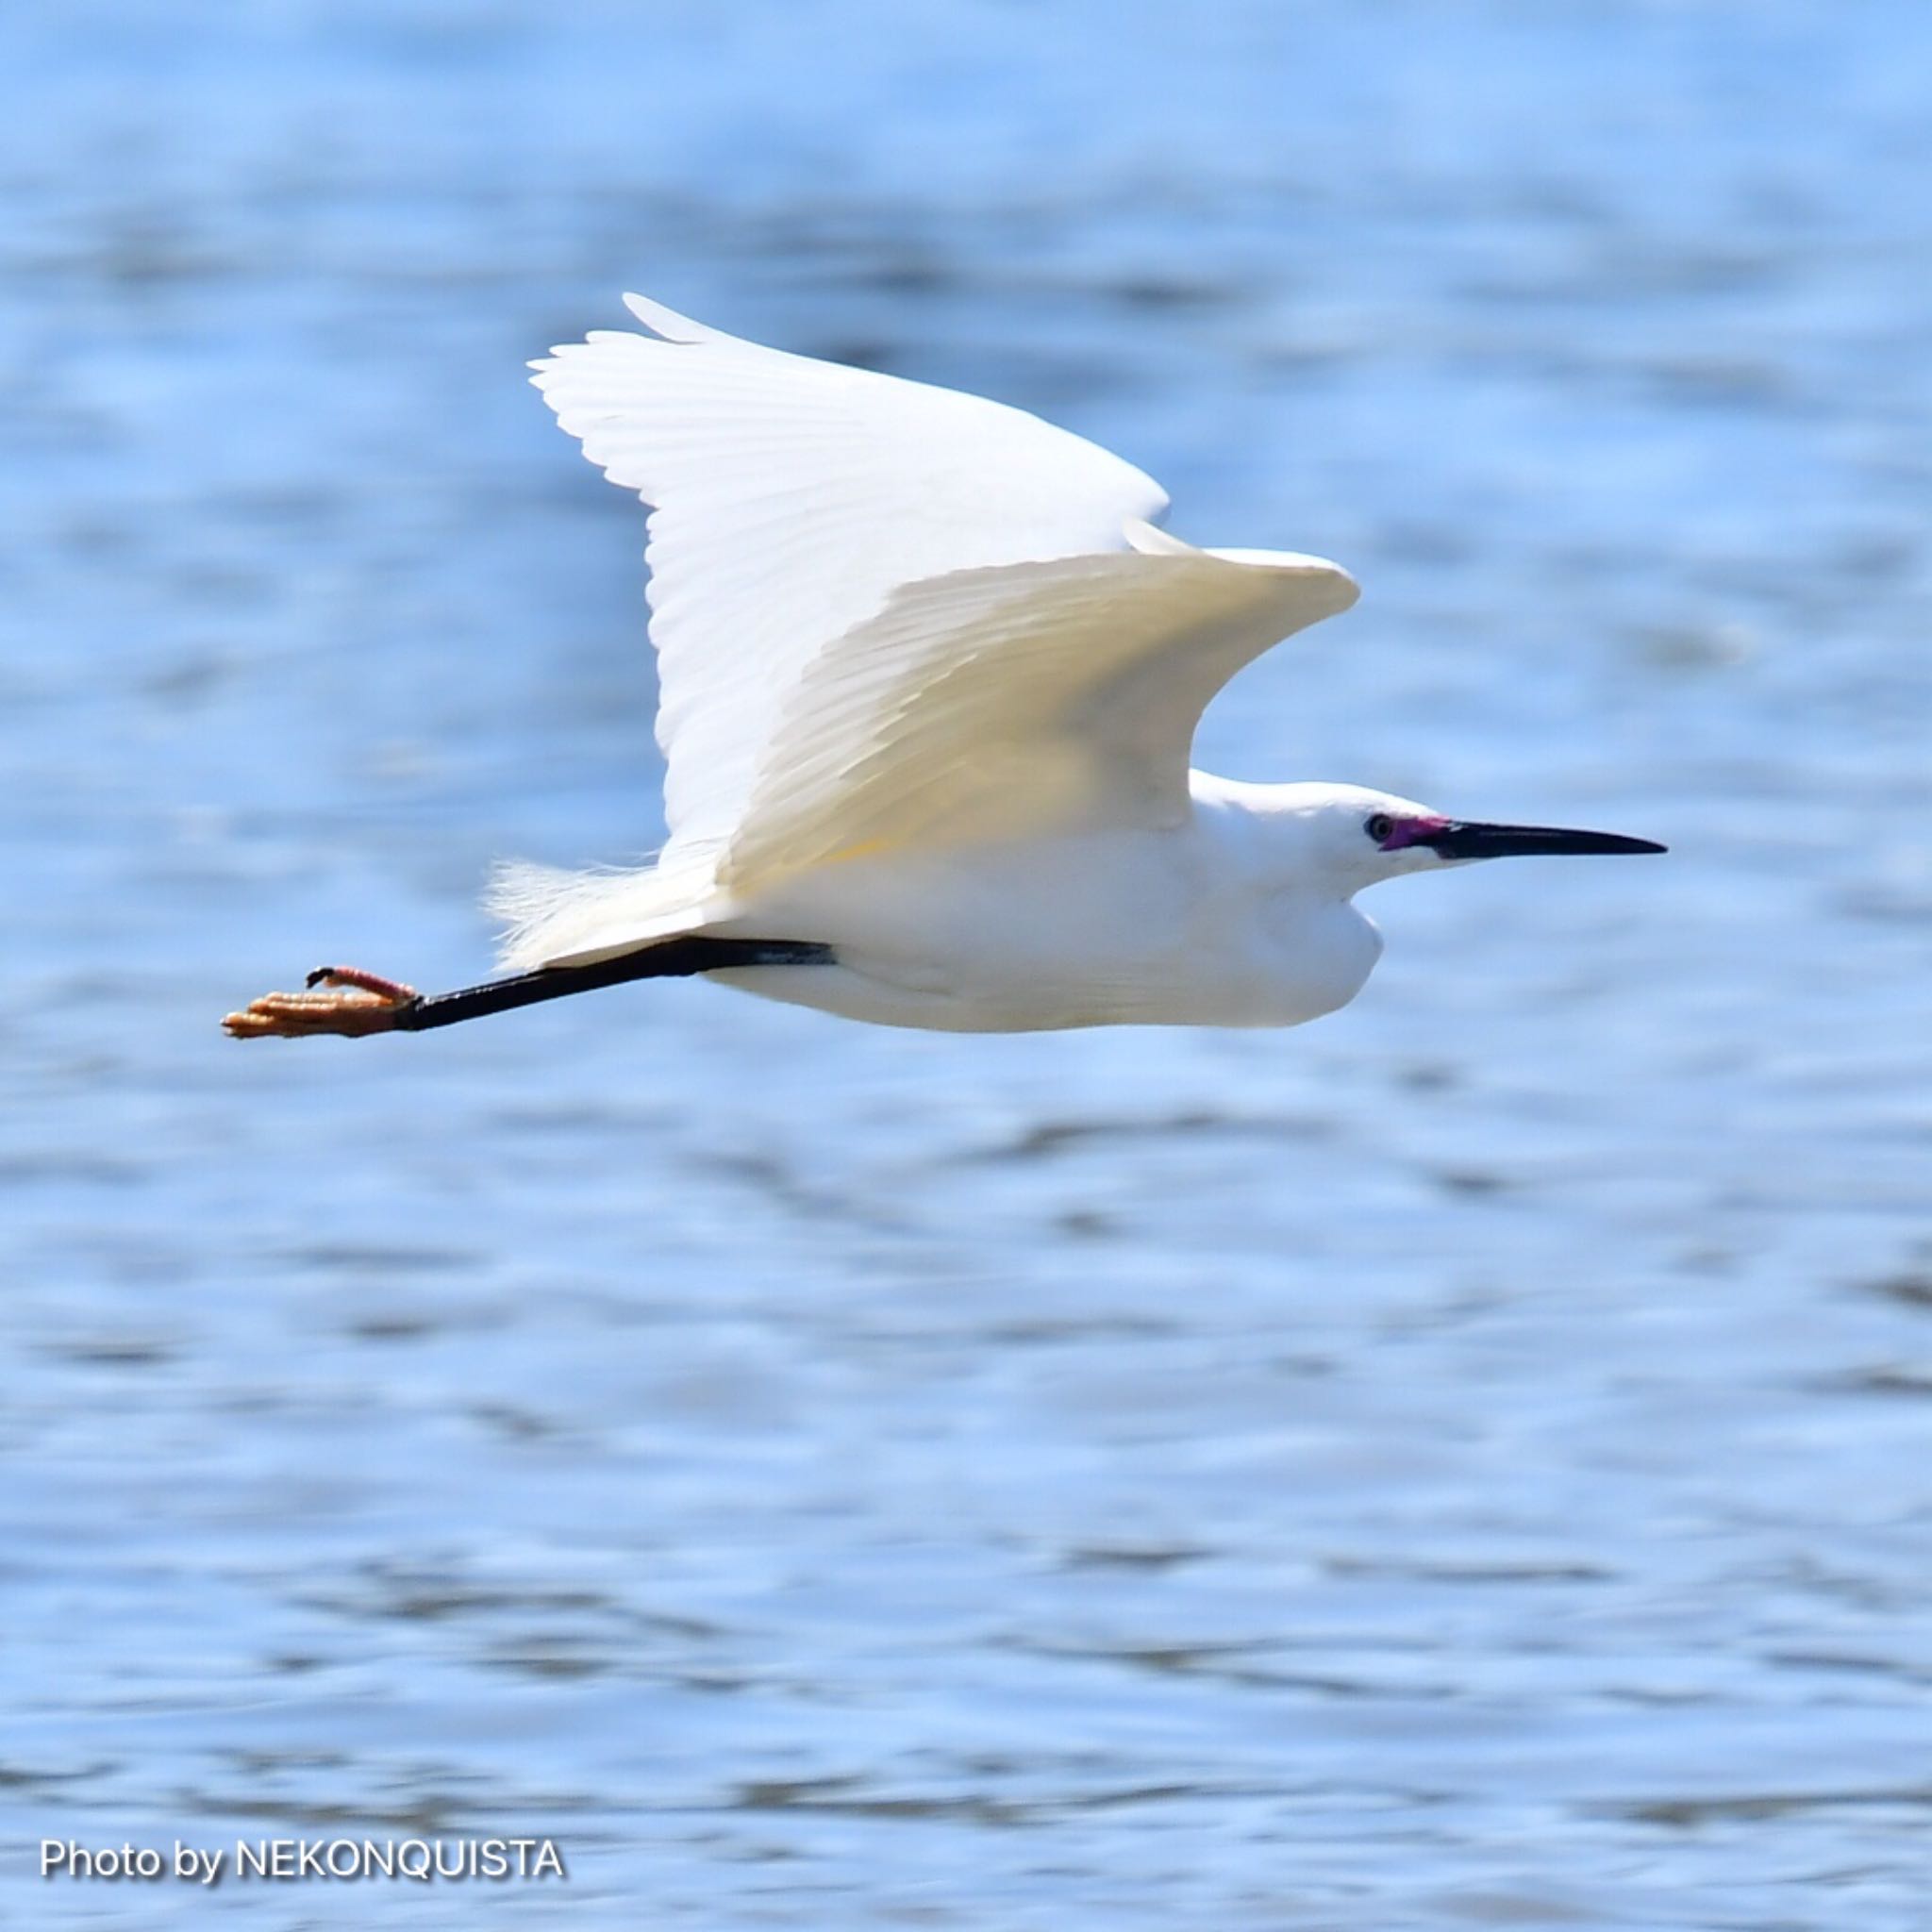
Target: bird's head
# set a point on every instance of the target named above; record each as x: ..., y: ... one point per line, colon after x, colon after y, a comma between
x: 1358, y: 838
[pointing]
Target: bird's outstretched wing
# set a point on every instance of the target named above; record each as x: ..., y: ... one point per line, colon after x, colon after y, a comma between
x: 1016, y: 700
x: 886, y: 615
x: 790, y: 499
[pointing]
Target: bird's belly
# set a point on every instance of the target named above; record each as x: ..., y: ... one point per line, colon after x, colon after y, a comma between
x: 1117, y: 930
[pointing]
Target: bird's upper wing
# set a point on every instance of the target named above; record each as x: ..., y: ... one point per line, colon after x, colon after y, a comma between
x: 1016, y: 699
x: 790, y: 499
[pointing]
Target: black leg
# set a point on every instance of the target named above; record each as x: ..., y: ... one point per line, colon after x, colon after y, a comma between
x: 678, y: 958
x: 357, y: 1003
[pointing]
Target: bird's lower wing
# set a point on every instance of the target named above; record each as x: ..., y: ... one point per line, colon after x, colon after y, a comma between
x: 1014, y: 701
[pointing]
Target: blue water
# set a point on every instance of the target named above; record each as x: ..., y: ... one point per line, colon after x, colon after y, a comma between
x: 1465, y: 1462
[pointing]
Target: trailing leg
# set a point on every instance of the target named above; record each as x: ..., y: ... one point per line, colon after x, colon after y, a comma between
x: 346, y: 1001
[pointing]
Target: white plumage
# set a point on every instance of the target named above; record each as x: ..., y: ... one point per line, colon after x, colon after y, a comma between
x: 888, y: 618
x: 930, y: 676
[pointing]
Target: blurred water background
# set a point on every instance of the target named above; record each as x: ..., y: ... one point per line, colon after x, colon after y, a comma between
x: 1463, y: 1464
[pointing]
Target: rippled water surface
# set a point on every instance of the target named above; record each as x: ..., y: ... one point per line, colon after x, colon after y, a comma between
x: 1461, y: 1463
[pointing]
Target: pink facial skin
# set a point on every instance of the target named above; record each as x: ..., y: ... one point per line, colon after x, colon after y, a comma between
x: 1410, y: 831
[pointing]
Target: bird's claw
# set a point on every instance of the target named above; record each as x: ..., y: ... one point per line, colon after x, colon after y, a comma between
x: 350, y: 1003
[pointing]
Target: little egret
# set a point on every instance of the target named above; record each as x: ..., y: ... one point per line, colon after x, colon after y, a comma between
x: 930, y: 676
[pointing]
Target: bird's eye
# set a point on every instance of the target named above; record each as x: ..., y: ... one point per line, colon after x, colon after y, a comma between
x: 1379, y: 826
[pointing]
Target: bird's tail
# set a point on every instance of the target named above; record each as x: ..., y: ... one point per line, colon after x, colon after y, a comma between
x: 551, y: 917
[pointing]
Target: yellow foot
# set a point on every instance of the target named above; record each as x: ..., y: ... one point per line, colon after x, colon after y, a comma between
x: 350, y: 1001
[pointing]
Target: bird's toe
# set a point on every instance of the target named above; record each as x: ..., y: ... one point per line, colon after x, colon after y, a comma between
x: 379, y: 984
x: 351, y: 1012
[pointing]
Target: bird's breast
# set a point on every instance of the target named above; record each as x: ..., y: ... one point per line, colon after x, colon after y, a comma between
x: 1119, y: 928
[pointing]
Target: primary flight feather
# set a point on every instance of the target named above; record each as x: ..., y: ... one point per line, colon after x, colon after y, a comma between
x: 930, y: 676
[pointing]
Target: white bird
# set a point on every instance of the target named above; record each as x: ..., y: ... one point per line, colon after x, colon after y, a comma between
x: 929, y: 680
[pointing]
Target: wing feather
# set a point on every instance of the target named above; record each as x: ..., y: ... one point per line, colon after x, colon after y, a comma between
x: 1017, y: 700
x: 790, y: 499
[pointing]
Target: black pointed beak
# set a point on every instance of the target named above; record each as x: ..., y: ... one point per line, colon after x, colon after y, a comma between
x: 1463, y: 839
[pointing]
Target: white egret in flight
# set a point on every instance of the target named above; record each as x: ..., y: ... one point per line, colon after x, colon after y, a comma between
x: 930, y: 676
